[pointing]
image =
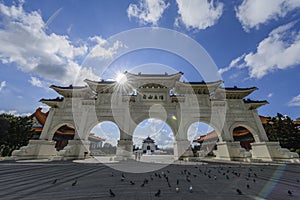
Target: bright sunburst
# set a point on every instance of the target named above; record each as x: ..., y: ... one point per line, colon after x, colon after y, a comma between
x: 121, y: 78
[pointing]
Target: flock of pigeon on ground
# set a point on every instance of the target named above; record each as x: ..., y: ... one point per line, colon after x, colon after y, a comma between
x: 188, y: 176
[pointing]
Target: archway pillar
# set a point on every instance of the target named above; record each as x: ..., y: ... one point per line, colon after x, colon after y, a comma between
x: 125, y: 145
x: 261, y: 136
x: 124, y: 149
x: 46, y: 129
x: 227, y: 150
x: 182, y: 148
x: 41, y: 148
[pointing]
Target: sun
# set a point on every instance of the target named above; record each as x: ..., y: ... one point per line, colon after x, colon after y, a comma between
x: 121, y: 78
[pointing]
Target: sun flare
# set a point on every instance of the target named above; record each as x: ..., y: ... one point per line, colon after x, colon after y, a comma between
x: 121, y: 78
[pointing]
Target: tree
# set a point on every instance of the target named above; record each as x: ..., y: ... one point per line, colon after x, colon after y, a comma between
x: 15, y: 132
x: 283, y: 129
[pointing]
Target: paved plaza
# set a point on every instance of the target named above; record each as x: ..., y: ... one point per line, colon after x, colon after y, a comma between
x: 90, y: 179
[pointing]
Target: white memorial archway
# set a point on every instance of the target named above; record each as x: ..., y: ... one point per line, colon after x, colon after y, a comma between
x: 161, y: 96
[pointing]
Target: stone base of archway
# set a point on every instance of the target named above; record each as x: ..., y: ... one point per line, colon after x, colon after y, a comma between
x: 231, y: 151
x: 36, y: 149
x: 272, y: 151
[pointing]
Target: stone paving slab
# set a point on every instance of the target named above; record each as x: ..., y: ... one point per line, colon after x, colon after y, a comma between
x: 36, y: 180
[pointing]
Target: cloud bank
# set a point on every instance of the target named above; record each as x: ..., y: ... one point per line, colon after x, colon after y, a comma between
x: 253, y: 13
x: 25, y: 42
x: 147, y: 11
x: 279, y: 51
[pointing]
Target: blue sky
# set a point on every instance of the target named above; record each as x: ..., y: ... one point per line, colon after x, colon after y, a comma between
x: 252, y: 43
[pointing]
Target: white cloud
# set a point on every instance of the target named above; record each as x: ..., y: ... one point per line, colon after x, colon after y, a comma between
x: 23, y: 41
x: 295, y: 101
x: 252, y: 13
x: 234, y: 63
x: 279, y: 51
x: 103, y: 49
x: 2, y: 85
x: 147, y: 11
x: 35, y: 82
x: 270, y: 95
x: 198, y: 14
x: 14, y: 112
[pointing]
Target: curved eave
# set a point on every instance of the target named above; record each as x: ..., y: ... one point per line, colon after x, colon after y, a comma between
x: 98, y: 86
x: 238, y: 93
x: 199, y: 87
x: 255, y: 104
x: 72, y: 91
x: 51, y: 103
x: 140, y: 76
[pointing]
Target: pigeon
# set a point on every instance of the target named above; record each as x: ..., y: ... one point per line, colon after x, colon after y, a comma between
x: 290, y: 193
x: 297, y: 180
x: 227, y: 177
x: 169, y: 184
x: 146, y: 181
x: 54, y: 181
x: 143, y: 184
x: 177, y: 182
x: 177, y: 189
x: 215, y: 177
x: 111, y: 193
x: 112, y: 174
x: 191, y: 189
x: 239, y: 191
x: 157, y: 194
x: 132, y: 183
x: 248, y: 186
x: 187, y: 179
x: 122, y: 178
x: 74, y: 183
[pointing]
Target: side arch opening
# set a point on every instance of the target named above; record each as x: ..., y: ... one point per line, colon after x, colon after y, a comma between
x: 103, y: 139
x: 62, y: 134
x: 244, y: 136
x: 203, y: 138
